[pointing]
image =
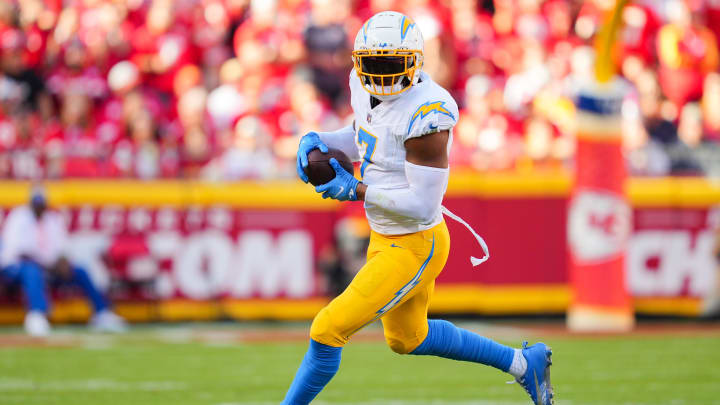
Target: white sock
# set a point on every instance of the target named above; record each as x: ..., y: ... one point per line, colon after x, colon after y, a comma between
x: 519, y: 364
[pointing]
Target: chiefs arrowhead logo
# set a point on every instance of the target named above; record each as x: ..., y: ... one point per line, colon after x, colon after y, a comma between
x: 598, y: 225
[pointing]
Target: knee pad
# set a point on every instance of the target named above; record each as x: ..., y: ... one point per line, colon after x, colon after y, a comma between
x: 399, y: 346
x: 325, y: 331
x: 404, y: 339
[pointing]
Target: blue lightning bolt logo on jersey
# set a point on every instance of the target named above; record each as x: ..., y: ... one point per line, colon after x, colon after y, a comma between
x: 426, y: 109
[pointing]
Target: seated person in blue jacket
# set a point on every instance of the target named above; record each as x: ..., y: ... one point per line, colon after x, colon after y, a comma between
x: 32, y: 255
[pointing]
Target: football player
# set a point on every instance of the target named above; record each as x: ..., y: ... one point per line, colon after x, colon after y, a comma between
x: 402, y: 134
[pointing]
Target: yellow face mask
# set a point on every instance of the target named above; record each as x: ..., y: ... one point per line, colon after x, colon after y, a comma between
x: 386, y: 73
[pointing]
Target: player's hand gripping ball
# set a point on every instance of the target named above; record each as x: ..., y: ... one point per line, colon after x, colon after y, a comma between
x: 342, y: 187
x: 308, y: 143
x: 319, y: 170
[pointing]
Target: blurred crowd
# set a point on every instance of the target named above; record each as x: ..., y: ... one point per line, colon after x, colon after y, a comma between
x: 223, y: 89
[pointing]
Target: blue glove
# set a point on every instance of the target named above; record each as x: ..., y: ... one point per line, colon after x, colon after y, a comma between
x: 309, y: 141
x: 342, y: 187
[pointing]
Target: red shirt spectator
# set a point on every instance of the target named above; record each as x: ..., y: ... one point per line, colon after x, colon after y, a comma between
x: 712, y: 17
x: 687, y: 52
x: 161, y: 47
x: 637, y: 36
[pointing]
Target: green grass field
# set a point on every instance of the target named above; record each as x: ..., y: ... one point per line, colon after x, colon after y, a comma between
x: 235, y: 364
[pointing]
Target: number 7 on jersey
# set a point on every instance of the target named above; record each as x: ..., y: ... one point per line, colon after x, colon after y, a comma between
x: 365, y: 137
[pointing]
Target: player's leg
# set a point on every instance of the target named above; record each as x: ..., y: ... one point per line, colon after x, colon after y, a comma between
x: 384, y: 281
x: 407, y: 330
x: 406, y: 326
x: 529, y: 365
x: 32, y: 280
x: 30, y: 276
x: 451, y: 342
x: 80, y: 277
x: 104, y: 319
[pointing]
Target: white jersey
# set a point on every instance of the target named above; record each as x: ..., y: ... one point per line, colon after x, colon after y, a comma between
x: 23, y: 235
x: 380, y: 134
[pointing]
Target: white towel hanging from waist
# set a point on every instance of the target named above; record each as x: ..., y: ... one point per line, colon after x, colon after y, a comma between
x: 474, y: 260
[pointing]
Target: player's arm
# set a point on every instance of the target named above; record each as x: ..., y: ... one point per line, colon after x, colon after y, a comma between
x: 342, y: 139
x: 12, y: 237
x: 427, y: 172
x: 429, y: 150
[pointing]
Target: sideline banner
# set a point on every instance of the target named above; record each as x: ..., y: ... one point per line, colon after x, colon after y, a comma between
x: 212, y: 251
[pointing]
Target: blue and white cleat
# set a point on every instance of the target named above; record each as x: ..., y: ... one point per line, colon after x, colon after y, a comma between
x: 536, y: 380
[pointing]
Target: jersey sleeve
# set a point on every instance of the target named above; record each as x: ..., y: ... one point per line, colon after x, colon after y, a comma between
x: 431, y: 116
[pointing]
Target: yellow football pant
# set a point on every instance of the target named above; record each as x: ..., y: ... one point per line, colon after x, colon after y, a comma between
x: 395, y: 285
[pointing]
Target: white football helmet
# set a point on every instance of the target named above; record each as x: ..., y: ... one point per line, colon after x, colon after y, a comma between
x: 388, y: 54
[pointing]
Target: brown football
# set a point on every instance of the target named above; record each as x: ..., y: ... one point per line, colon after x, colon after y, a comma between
x: 319, y: 170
